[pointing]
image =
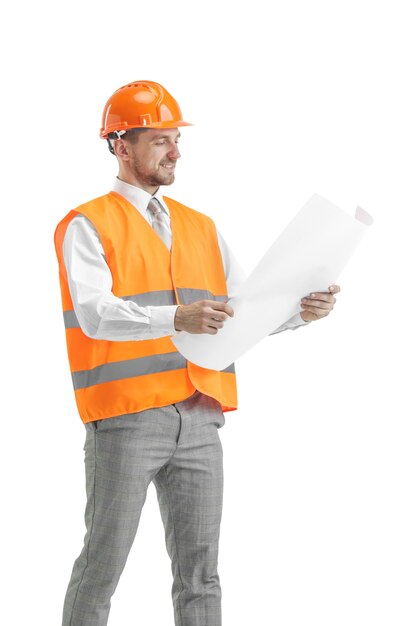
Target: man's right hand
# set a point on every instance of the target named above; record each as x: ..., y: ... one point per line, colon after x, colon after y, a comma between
x: 204, y: 316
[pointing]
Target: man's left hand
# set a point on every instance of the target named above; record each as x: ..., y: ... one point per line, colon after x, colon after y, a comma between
x: 319, y: 304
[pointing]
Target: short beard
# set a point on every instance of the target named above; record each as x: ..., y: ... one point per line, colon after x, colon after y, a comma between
x: 153, y: 180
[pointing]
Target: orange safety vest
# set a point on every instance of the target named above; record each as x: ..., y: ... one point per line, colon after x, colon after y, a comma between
x: 113, y: 378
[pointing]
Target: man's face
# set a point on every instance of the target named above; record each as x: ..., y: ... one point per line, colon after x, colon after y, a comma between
x: 153, y: 157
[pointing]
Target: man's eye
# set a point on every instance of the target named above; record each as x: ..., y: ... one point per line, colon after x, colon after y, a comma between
x: 162, y: 142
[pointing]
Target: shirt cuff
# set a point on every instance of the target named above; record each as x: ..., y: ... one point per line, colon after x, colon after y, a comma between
x: 162, y: 320
x: 296, y: 320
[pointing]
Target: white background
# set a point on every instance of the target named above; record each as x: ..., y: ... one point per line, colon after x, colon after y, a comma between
x: 288, y: 99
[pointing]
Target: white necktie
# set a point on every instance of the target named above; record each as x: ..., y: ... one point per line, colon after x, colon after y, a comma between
x: 158, y: 223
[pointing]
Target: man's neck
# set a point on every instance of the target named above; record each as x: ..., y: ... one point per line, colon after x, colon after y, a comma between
x: 135, y: 183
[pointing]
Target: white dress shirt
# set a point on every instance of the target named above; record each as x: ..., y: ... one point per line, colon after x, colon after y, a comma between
x: 100, y: 313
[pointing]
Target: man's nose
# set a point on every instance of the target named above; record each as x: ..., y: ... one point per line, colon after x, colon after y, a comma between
x: 174, y: 153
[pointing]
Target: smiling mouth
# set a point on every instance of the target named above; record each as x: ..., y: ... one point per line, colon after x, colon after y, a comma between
x: 168, y: 166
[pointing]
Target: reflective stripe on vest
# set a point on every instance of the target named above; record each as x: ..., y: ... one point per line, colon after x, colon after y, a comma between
x: 131, y: 368
x: 155, y: 298
x: 117, y: 377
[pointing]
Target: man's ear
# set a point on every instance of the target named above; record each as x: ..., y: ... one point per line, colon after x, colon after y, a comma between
x: 121, y: 149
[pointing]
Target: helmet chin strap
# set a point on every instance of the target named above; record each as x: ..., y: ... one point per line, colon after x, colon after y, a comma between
x: 116, y: 134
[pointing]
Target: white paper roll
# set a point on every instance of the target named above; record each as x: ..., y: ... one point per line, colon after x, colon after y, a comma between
x: 308, y: 256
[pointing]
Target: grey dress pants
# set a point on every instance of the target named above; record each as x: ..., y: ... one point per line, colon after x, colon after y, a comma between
x: 178, y: 448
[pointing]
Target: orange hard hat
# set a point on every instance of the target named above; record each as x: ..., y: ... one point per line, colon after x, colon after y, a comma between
x: 142, y: 104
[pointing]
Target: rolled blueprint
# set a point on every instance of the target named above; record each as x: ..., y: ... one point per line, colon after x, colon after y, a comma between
x: 307, y: 257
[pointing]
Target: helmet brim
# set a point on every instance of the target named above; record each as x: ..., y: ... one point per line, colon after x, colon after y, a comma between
x: 167, y: 124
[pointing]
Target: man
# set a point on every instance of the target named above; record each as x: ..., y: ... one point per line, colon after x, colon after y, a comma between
x: 136, y: 268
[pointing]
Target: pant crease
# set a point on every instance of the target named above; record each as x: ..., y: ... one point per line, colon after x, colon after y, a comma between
x: 91, y: 530
x: 176, y: 545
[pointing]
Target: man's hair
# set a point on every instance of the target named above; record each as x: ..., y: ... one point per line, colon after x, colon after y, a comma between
x: 131, y: 135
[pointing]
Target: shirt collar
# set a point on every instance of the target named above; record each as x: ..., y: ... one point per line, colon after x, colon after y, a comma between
x: 137, y: 196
